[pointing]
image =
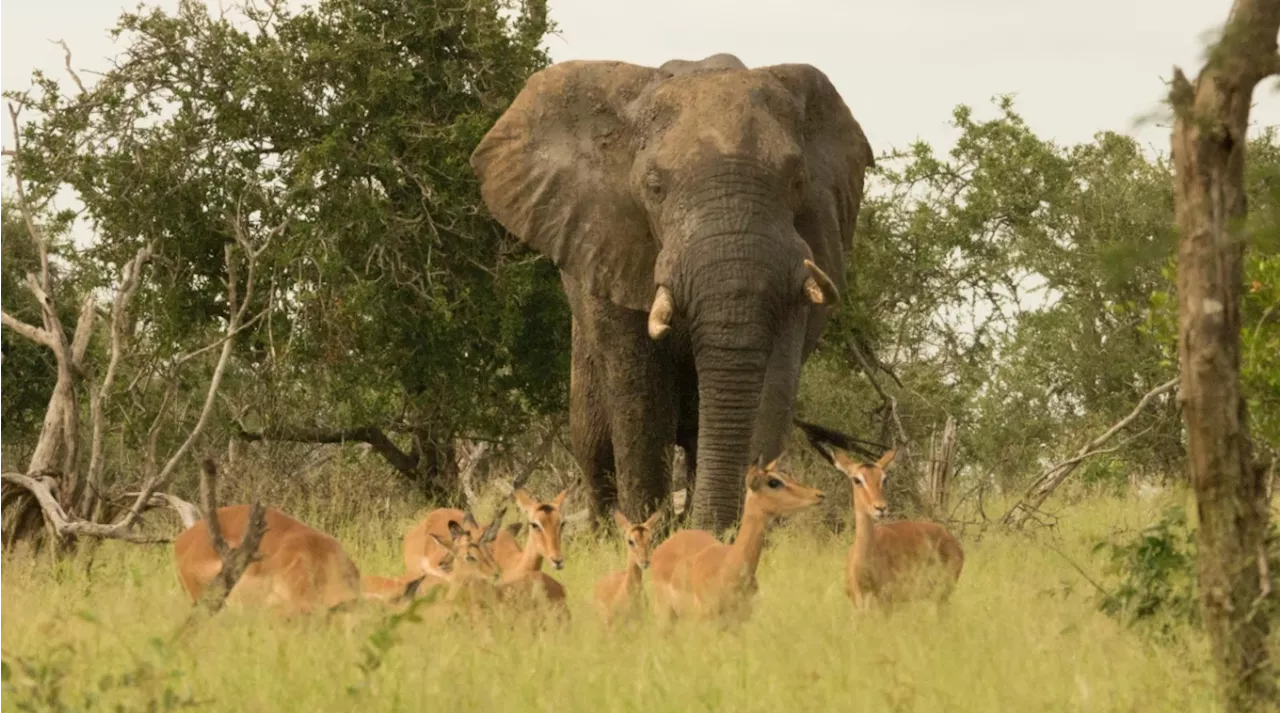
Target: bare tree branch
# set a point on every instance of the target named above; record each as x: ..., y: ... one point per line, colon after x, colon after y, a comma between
x: 1049, y: 481
x: 66, y: 53
x: 374, y: 436
x: 67, y: 527
x: 35, y: 334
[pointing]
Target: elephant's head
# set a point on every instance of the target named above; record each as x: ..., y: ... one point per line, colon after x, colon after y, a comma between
x: 722, y: 201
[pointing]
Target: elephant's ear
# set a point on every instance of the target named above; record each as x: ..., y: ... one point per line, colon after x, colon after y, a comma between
x: 837, y: 156
x: 555, y: 171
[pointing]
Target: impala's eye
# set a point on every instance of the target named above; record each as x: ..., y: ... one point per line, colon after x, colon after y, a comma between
x: 775, y: 483
x: 535, y: 525
x: 631, y: 543
x: 857, y: 480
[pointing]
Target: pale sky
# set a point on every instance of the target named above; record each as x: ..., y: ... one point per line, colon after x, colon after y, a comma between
x: 901, y: 65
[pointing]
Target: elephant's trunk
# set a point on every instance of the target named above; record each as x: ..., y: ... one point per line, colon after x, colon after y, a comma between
x: 729, y: 388
x: 742, y: 329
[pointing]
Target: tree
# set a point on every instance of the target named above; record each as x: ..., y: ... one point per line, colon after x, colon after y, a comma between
x: 392, y: 310
x: 1211, y: 118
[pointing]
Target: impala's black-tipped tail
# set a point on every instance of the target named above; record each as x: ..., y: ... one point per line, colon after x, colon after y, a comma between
x: 823, y: 439
x: 210, y: 467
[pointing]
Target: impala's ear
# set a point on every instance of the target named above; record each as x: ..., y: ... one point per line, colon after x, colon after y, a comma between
x: 771, y: 465
x: 558, y: 500
x: 652, y: 522
x: 469, y: 522
x: 755, y: 478
x: 441, y: 542
x: 622, y: 521
x: 886, y: 459
x: 525, y: 500
x: 411, y: 589
x: 455, y: 531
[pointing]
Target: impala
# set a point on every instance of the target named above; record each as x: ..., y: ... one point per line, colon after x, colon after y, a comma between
x: 621, y: 593
x: 427, y: 544
x: 695, y: 574
x: 298, y: 569
x: 889, y: 561
x: 523, y: 580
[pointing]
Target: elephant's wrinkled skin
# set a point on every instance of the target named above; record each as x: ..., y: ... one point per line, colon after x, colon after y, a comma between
x: 682, y: 203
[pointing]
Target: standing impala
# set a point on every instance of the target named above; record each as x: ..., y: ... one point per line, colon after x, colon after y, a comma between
x: 620, y: 593
x: 695, y: 574
x: 894, y: 561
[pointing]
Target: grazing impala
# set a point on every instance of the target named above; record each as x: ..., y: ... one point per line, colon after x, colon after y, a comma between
x: 423, y: 551
x: 620, y: 594
x: 894, y: 561
x: 298, y: 569
x: 696, y: 574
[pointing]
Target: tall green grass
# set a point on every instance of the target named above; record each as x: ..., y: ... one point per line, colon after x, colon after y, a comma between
x: 1022, y: 633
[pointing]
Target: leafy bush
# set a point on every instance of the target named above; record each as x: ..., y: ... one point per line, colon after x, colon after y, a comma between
x: 1157, y: 575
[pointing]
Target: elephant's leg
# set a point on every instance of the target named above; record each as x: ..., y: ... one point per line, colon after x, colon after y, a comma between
x: 589, y: 427
x: 642, y: 418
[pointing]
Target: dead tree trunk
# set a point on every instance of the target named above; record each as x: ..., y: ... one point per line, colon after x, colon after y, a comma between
x: 942, y: 463
x: 1209, y: 137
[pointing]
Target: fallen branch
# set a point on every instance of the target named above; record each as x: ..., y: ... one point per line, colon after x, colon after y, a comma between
x: 66, y: 527
x: 1043, y: 486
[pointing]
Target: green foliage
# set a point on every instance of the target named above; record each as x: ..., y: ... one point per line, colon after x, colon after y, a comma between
x: 29, y: 370
x: 1008, y: 283
x: 339, y: 137
x: 1157, y: 577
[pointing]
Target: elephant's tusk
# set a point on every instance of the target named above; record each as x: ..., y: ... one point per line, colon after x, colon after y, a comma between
x: 817, y: 287
x: 660, y: 313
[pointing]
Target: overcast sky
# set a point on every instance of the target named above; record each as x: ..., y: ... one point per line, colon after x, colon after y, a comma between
x: 901, y: 65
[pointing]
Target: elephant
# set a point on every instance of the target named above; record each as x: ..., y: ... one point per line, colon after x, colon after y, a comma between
x: 700, y: 215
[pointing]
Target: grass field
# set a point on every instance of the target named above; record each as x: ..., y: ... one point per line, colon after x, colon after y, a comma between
x: 1023, y: 634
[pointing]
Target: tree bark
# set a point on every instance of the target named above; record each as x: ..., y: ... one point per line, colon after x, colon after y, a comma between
x: 1209, y: 138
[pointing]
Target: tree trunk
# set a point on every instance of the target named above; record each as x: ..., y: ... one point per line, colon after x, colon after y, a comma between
x: 1209, y: 138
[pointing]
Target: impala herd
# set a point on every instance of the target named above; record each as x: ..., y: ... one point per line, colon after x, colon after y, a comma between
x: 474, y: 568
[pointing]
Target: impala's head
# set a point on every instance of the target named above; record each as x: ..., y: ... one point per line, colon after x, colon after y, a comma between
x: 639, y: 537
x: 544, y: 523
x: 776, y: 493
x: 471, y: 556
x: 868, y: 479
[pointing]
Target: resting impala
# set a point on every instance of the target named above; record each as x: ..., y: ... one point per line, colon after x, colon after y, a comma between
x: 894, y: 561
x: 423, y: 551
x: 523, y: 580
x: 298, y: 570
x: 474, y: 576
x: 621, y: 593
x: 696, y: 574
